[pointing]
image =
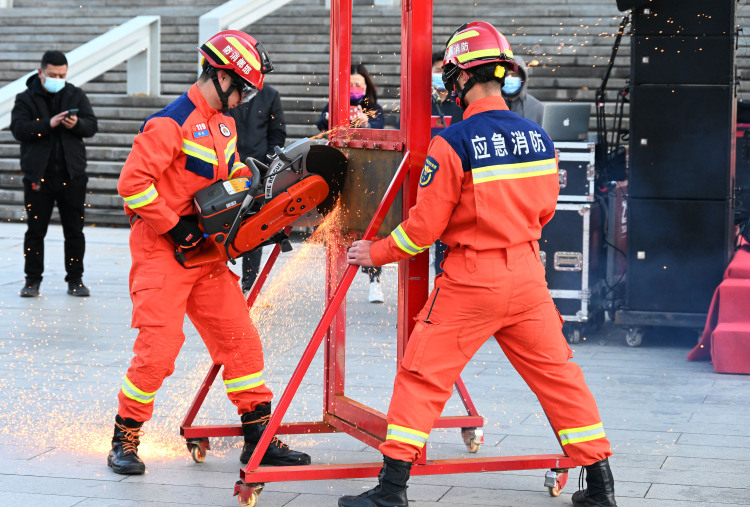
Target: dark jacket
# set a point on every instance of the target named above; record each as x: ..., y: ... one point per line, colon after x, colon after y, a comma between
x: 375, y: 115
x: 30, y: 125
x: 448, y: 108
x: 260, y: 125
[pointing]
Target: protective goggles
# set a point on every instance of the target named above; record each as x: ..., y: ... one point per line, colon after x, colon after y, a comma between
x: 247, y: 91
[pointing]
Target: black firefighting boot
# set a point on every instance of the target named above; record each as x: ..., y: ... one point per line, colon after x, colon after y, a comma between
x: 123, y: 458
x: 391, y: 488
x: 278, y: 453
x: 600, y: 491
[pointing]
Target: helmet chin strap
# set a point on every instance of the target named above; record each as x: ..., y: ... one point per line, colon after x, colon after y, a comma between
x: 461, y: 92
x: 223, y: 95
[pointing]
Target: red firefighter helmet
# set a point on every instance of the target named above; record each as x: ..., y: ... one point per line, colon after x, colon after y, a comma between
x: 240, y: 53
x: 473, y: 44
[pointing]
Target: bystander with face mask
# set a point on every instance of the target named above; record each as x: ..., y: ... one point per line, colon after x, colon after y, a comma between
x: 516, y: 95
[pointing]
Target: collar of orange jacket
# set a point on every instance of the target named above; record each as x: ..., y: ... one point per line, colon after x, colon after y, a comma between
x: 493, y: 102
x: 197, y: 98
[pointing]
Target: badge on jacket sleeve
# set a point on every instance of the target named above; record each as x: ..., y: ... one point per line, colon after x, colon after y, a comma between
x: 224, y: 130
x: 200, y: 130
x: 428, y: 171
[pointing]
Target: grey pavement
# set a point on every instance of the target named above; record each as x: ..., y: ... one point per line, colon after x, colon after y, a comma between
x: 680, y: 432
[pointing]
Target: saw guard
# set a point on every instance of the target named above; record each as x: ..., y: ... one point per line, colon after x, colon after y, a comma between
x: 276, y: 214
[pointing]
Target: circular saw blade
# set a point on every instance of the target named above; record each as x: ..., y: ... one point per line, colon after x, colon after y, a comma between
x: 330, y: 164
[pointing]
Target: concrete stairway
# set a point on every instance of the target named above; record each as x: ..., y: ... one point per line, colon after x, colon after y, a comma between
x: 570, y: 40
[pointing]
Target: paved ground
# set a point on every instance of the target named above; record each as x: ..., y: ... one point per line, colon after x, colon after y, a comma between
x: 680, y: 431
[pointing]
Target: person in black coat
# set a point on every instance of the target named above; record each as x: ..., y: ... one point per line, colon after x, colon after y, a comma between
x: 50, y: 119
x: 260, y: 127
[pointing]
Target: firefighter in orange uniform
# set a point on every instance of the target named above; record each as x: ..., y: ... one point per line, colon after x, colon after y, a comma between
x: 185, y: 147
x: 488, y: 186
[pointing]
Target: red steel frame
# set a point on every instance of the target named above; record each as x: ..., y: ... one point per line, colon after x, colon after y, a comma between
x: 343, y: 414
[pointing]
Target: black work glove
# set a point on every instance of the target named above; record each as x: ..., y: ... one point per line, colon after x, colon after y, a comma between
x: 186, y: 233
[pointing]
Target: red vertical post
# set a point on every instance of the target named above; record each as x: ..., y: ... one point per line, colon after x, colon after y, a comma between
x: 341, y: 50
x: 338, y: 115
x: 416, y: 58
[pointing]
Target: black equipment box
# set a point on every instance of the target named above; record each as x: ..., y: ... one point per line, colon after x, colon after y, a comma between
x: 677, y: 253
x: 685, y: 17
x: 681, y: 141
x: 576, y: 171
x: 569, y: 248
x: 682, y: 60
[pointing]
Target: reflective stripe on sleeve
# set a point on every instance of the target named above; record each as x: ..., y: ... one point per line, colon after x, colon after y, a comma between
x: 406, y: 244
x: 200, y: 152
x: 406, y: 435
x: 142, y: 198
x: 236, y: 167
x: 246, y: 382
x: 514, y: 171
x: 583, y: 434
x: 132, y: 392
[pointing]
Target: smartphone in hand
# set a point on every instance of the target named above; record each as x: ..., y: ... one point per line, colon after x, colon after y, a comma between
x: 71, y: 112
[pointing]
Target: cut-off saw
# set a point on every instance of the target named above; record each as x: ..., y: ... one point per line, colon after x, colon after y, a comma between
x: 301, y: 183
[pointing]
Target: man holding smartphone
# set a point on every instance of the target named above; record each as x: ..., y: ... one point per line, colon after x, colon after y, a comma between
x: 50, y: 119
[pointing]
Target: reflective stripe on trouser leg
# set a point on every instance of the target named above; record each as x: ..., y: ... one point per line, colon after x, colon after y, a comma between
x: 219, y: 312
x: 432, y: 362
x: 132, y: 392
x: 533, y: 342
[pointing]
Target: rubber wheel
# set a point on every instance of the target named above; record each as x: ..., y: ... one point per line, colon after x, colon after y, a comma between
x: 562, y: 479
x: 473, y: 446
x: 251, y: 501
x: 198, y: 456
x: 634, y: 337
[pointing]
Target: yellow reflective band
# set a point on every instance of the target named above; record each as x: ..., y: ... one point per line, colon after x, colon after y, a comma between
x: 583, y: 434
x: 236, y: 167
x: 473, y: 55
x: 198, y: 151
x: 247, y: 55
x: 141, y: 199
x: 406, y: 244
x: 463, y: 35
x: 229, y: 151
x: 407, y: 435
x: 132, y: 392
x: 514, y: 171
x: 217, y: 52
x: 246, y: 382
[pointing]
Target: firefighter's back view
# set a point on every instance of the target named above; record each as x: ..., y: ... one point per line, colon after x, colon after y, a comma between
x: 488, y: 186
x: 183, y: 148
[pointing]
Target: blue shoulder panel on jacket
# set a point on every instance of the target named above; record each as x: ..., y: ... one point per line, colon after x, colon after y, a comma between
x: 178, y: 110
x: 497, y: 137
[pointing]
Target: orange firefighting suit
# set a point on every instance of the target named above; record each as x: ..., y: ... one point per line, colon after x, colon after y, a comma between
x: 488, y: 185
x: 180, y: 150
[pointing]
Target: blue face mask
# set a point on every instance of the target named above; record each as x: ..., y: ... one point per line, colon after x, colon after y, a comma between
x: 512, y: 85
x: 437, y: 82
x: 53, y: 84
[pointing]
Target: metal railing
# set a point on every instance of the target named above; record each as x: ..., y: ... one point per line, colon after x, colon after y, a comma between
x: 234, y: 15
x: 136, y: 41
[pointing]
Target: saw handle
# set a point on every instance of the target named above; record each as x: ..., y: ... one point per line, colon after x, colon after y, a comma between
x: 255, y: 185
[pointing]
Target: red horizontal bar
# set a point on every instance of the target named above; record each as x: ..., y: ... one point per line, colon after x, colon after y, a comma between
x: 354, y: 431
x: 432, y: 467
x: 232, y: 430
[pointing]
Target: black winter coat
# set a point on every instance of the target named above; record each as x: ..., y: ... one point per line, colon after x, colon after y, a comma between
x: 30, y: 125
x: 260, y: 125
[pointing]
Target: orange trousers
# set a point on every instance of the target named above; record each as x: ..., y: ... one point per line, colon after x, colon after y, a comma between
x: 481, y: 294
x: 162, y: 292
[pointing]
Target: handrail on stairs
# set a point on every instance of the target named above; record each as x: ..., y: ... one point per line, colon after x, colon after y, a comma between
x: 135, y: 41
x: 234, y: 15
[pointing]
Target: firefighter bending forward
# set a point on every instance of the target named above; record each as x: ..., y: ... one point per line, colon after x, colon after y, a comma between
x: 488, y: 186
x: 185, y: 147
